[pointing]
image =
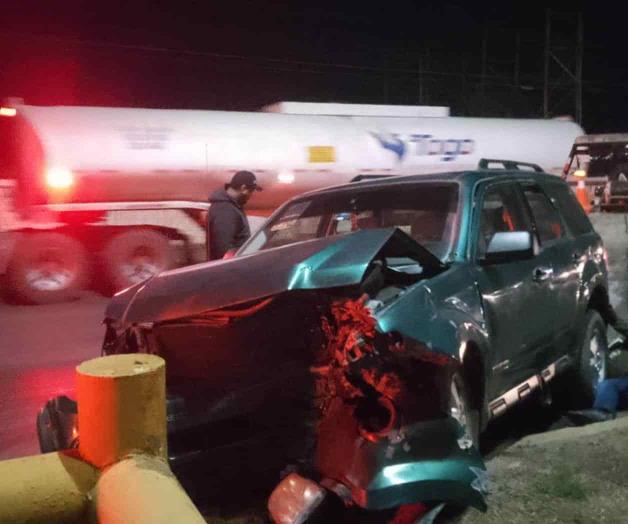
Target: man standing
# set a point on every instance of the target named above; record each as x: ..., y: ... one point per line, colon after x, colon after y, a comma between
x: 227, y: 225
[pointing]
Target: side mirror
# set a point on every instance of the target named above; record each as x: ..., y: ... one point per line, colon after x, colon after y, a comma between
x: 509, y: 246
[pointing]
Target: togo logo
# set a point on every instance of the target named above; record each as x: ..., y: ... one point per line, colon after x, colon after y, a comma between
x: 146, y: 137
x: 425, y: 145
x: 392, y: 143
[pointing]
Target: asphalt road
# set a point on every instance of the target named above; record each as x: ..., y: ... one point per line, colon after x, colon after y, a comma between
x: 41, y: 345
x: 39, y: 348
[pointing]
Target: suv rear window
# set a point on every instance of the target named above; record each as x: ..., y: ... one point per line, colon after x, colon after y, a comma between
x: 574, y: 216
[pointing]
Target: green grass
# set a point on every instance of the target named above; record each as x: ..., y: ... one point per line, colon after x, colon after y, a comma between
x: 561, y: 483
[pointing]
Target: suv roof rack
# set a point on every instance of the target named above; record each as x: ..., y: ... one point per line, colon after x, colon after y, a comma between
x: 360, y: 178
x: 515, y: 165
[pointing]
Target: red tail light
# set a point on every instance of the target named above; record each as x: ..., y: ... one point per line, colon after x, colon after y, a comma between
x: 59, y: 178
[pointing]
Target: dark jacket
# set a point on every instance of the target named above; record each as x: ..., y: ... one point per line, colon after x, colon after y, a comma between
x: 227, y: 225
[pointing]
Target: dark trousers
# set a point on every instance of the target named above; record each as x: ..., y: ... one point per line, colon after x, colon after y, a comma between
x: 612, y: 394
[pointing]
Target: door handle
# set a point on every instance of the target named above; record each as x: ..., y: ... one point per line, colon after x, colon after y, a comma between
x: 542, y: 273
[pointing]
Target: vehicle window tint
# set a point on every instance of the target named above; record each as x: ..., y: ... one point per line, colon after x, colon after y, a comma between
x: 574, y: 216
x: 295, y: 230
x: 546, y: 218
x: 428, y: 212
x: 502, y: 211
x: 424, y: 225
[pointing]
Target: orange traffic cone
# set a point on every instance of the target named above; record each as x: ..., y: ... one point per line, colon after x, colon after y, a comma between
x: 583, y: 197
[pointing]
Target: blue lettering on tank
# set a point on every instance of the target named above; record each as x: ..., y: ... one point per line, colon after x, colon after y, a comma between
x: 422, y: 144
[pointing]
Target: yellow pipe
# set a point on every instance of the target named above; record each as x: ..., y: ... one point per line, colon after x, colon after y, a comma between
x: 51, y: 488
x: 121, y: 408
x: 122, y: 424
x: 142, y: 489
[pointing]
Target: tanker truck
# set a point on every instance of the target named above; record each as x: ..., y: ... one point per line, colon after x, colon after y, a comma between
x: 107, y: 197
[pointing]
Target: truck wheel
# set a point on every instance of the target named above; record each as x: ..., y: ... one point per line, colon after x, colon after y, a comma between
x: 592, y: 360
x: 47, y: 268
x: 131, y: 257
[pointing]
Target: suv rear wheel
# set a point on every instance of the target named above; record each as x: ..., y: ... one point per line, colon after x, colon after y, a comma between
x: 591, y: 360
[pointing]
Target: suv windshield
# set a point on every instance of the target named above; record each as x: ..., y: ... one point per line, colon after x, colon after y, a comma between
x: 428, y: 212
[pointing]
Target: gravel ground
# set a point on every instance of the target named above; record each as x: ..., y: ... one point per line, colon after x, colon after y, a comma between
x: 572, y: 475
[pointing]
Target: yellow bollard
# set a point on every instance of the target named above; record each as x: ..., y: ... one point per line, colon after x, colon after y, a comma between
x: 142, y: 489
x: 51, y: 488
x: 122, y: 425
x: 121, y: 408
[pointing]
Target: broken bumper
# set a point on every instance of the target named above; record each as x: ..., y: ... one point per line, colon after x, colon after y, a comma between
x: 422, y: 462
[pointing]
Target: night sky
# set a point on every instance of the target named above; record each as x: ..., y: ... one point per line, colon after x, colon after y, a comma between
x: 241, y: 55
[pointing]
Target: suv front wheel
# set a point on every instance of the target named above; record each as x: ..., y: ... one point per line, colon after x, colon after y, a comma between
x: 461, y: 410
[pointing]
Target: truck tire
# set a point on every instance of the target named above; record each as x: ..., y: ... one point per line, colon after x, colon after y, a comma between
x: 47, y: 268
x: 134, y: 256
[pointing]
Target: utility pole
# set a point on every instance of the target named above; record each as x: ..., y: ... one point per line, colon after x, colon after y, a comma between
x: 484, y: 67
x: 517, y: 80
x: 421, y: 77
x: 548, y: 22
x: 579, y: 61
x: 563, y: 64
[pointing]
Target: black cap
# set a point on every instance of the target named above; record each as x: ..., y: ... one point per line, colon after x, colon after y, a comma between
x: 244, y: 178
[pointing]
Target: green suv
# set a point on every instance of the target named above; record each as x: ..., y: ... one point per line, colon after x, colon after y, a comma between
x: 374, y: 329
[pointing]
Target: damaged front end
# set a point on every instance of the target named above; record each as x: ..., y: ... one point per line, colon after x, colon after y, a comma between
x: 392, y: 430
x: 310, y: 349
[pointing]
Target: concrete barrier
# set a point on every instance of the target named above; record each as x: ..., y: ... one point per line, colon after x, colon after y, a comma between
x: 120, y: 472
x: 52, y: 488
x: 142, y: 489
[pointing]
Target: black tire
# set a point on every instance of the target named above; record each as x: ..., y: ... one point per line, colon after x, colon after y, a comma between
x: 461, y: 408
x: 133, y: 256
x: 591, y: 360
x: 46, y: 437
x: 47, y: 268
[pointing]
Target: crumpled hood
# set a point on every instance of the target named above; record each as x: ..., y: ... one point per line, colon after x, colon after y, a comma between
x: 317, y: 264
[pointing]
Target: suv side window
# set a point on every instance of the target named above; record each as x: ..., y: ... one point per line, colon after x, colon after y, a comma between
x: 546, y: 218
x: 574, y: 216
x: 502, y: 210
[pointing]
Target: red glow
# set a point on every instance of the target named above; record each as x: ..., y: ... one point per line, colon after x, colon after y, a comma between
x: 59, y: 178
x: 409, y: 513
